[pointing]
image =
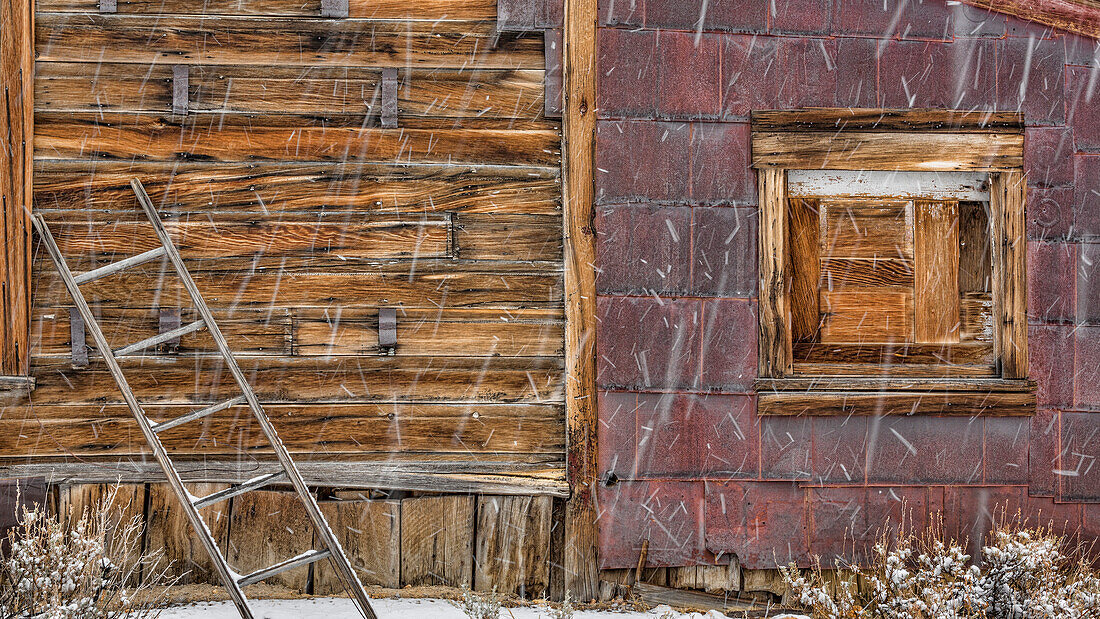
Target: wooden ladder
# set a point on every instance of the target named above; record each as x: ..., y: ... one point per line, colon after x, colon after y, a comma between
x: 191, y: 504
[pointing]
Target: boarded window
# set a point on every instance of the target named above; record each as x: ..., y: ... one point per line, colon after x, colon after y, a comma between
x: 890, y: 284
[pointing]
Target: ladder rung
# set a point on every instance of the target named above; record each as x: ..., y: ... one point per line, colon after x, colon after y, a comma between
x: 199, y: 414
x: 115, y: 267
x: 149, y: 342
x: 248, y: 486
x: 303, y: 559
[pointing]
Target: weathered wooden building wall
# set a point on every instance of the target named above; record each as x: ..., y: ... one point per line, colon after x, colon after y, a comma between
x: 263, y: 131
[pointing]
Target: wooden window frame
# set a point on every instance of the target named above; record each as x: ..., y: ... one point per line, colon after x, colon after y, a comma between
x: 892, y: 140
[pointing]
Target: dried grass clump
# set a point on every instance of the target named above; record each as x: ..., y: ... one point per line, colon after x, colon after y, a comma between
x: 1023, y: 573
x: 79, y: 566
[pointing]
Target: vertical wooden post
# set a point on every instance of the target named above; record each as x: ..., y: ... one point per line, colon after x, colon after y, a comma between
x: 1007, y: 194
x: 775, y: 355
x: 579, y: 560
x: 16, y: 149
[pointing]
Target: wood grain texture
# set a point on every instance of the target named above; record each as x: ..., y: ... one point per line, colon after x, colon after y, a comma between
x: 1007, y: 197
x: 775, y: 334
x: 436, y: 10
x: 311, y: 380
x: 270, y: 189
x: 488, y: 474
x: 267, y: 527
x: 435, y: 93
x: 1078, y: 16
x: 16, y: 181
x: 361, y: 431
x: 847, y: 273
x: 804, y: 264
x: 437, y: 540
x: 891, y: 355
x: 902, y: 151
x: 975, y: 267
x: 283, y: 42
x: 512, y: 545
x: 878, y: 229
x: 866, y: 317
x: 169, y: 531
x: 888, y: 383
x: 375, y: 237
x: 287, y: 138
x: 370, y: 532
x: 870, y: 119
x: 936, y: 265
x: 423, y: 285
x: 886, y: 403
x: 580, y: 573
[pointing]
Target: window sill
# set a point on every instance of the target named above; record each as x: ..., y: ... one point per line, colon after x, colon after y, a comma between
x: 895, y: 396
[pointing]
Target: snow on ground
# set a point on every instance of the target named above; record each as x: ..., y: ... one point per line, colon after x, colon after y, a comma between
x: 342, y: 608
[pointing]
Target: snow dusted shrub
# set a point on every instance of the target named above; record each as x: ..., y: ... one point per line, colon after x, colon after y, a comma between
x: 1023, y: 574
x: 72, y: 567
x: 480, y: 606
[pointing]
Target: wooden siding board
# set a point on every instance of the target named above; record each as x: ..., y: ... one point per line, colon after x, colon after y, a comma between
x: 512, y: 545
x: 370, y: 532
x: 436, y: 10
x: 437, y: 540
x: 282, y: 42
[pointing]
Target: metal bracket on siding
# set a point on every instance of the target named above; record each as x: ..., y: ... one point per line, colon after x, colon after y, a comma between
x: 180, y: 78
x: 334, y: 8
x: 108, y: 6
x: 76, y: 335
x: 387, y: 330
x: 389, y: 98
x: 170, y: 320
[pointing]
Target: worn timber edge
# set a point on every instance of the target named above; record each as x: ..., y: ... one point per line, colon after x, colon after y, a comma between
x: 856, y: 383
x: 682, y: 599
x: 975, y: 403
x: 889, y: 140
x: 877, y: 119
x: 422, y: 477
x: 579, y: 556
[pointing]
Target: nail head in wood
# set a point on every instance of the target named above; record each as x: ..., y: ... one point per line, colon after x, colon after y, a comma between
x: 76, y: 335
x: 180, y: 77
x: 387, y: 330
x: 334, y: 8
x: 389, y: 98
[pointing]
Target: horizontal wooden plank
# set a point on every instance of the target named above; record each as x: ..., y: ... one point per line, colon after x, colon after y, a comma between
x: 348, y: 429
x: 268, y: 331
x: 866, y: 229
x: 415, y: 285
x: 957, y: 354
x: 317, y: 332
x: 887, y: 383
x: 513, y: 475
x: 884, y: 403
x: 236, y: 138
x: 316, y: 188
x: 906, y: 370
x: 866, y: 317
x: 864, y: 119
x: 509, y: 237
x: 446, y: 93
x: 452, y: 333
x: 373, y: 237
x: 871, y: 183
x: 329, y: 380
x: 370, y: 9
x: 845, y: 273
x: 283, y: 42
x: 904, y: 151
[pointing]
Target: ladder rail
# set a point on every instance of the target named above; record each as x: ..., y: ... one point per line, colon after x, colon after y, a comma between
x: 320, y: 523
x: 159, y: 453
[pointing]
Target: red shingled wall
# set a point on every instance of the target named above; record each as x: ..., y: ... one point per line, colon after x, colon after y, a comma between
x: 698, y: 473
